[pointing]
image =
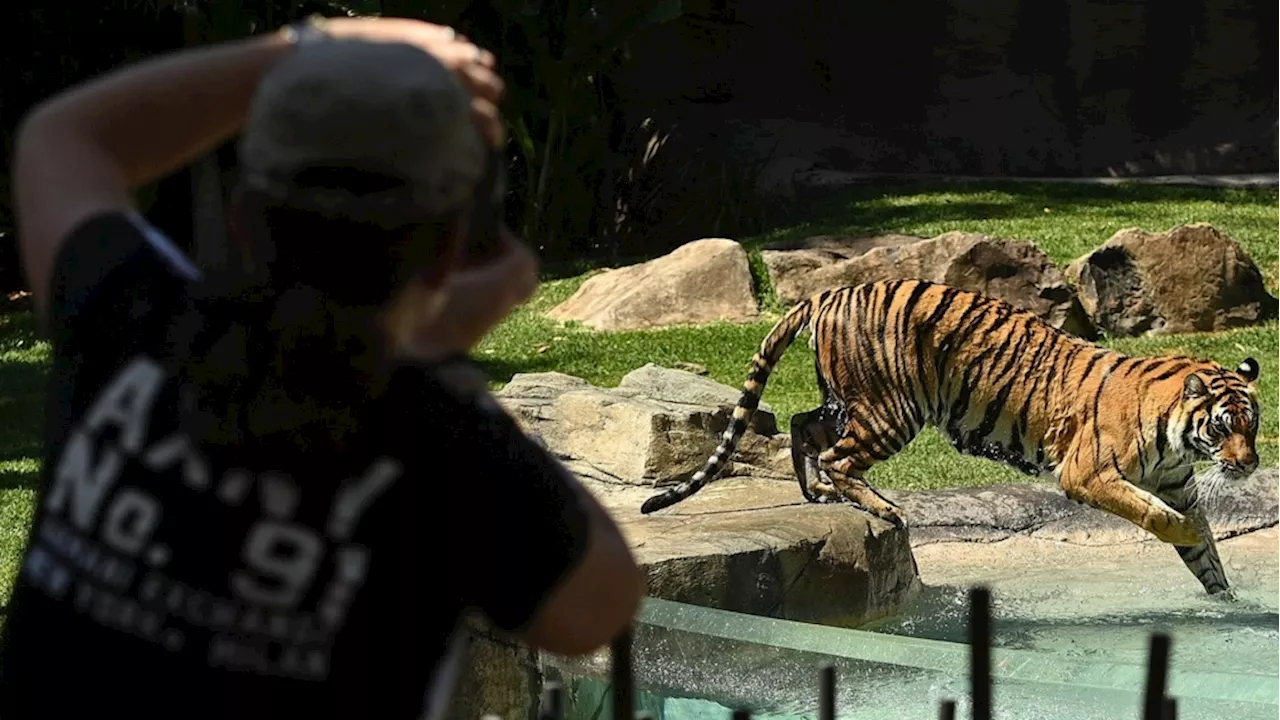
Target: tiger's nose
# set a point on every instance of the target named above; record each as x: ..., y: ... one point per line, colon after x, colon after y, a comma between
x: 1246, y: 463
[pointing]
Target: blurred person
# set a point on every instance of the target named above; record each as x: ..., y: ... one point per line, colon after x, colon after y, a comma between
x: 260, y: 496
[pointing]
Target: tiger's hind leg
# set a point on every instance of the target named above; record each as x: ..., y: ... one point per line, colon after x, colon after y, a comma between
x: 811, y: 433
x: 847, y: 461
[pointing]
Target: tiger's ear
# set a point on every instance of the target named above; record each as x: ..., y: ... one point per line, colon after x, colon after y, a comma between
x: 1248, y: 369
x: 1194, y: 387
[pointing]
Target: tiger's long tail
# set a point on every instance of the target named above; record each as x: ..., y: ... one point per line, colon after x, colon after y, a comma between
x: 762, y: 364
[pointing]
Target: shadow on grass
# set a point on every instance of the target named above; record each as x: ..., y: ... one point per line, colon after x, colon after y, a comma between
x: 22, y: 396
x: 20, y: 380
x: 878, y: 208
x: 19, y: 479
x: 502, y: 370
x: 887, y: 206
x: 1031, y: 197
x: 565, y: 269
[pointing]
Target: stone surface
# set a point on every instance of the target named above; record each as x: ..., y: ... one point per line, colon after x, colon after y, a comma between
x: 659, y: 425
x: 1053, y: 561
x: 1193, y: 278
x: 1071, y: 600
x: 1041, y: 510
x: 699, y: 282
x: 777, y: 178
x: 1012, y: 270
x: 757, y: 547
x: 500, y: 677
x: 741, y: 543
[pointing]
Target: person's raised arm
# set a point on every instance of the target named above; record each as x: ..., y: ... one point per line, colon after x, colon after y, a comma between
x: 599, y: 597
x: 543, y: 561
x: 87, y: 149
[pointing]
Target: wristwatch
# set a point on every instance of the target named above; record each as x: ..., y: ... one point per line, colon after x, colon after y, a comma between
x: 462, y: 372
x: 306, y: 31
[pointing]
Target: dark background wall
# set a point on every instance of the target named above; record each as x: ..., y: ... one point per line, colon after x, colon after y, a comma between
x: 987, y: 87
x: 638, y: 141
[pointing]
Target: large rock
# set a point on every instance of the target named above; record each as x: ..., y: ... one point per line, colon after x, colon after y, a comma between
x: 700, y: 282
x: 1193, y: 278
x: 1013, y: 270
x: 741, y: 545
x: 758, y: 547
x: 658, y: 426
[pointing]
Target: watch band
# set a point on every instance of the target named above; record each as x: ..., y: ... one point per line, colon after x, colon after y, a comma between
x: 306, y: 31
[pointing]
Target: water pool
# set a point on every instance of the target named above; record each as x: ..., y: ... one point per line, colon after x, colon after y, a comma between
x: 695, y: 663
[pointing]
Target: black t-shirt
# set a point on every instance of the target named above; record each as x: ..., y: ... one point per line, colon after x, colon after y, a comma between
x: 171, y: 581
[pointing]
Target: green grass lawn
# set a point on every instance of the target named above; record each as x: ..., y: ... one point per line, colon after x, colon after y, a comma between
x: 23, y: 369
x: 1077, y: 219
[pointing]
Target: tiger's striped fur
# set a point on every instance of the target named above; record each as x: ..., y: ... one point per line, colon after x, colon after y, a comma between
x: 1119, y: 433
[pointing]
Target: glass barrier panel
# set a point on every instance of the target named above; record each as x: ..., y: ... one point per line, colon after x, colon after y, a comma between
x: 695, y: 663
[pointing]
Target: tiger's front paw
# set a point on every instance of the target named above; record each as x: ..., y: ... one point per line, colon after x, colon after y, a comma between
x: 1224, y: 595
x: 1175, y: 529
x: 830, y: 498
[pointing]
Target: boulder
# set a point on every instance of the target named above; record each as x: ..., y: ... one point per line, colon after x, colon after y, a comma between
x: 500, y: 677
x: 758, y: 547
x: 1013, y: 270
x: 751, y: 547
x: 742, y: 544
x: 657, y: 427
x: 699, y: 282
x: 1193, y: 278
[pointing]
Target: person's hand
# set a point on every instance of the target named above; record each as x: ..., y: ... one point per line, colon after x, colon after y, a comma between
x: 474, y: 66
x: 479, y: 297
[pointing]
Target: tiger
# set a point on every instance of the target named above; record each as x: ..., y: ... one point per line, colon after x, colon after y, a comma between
x: 1119, y: 433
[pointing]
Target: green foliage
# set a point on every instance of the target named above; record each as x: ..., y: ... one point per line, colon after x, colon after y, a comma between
x: 65, y: 46
x: 586, y: 178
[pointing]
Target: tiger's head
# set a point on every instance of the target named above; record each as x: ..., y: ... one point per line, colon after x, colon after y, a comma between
x: 1220, y: 418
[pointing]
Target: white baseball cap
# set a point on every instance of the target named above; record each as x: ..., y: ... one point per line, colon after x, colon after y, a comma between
x: 382, y: 107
